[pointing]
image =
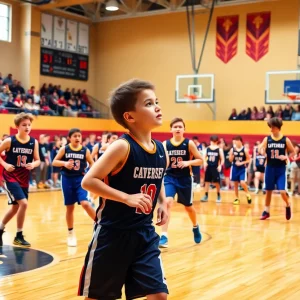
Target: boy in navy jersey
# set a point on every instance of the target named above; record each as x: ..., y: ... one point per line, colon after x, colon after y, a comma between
x: 22, y: 155
x: 73, y: 159
x: 239, y: 158
x: 213, y: 162
x: 259, y: 168
x: 178, y: 179
x: 276, y: 147
x: 128, y: 177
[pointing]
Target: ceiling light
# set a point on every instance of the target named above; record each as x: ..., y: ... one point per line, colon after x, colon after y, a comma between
x: 112, y: 5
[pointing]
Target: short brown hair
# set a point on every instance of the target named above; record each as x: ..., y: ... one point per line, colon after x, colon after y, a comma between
x: 21, y: 117
x: 214, y: 138
x: 124, y: 97
x: 275, y: 122
x: 175, y: 120
x: 238, y: 138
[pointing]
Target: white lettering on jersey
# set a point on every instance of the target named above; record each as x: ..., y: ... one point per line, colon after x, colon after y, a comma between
x: 75, y: 155
x: 148, y: 173
x: 177, y: 152
x: 22, y: 150
x: 276, y: 145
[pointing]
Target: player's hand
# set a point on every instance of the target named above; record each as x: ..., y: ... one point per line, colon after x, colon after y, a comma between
x: 254, y: 168
x: 9, y: 168
x: 183, y: 164
x: 219, y: 168
x: 47, y: 162
x: 29, y: 166
x: 141, y: 201
x: 238, y: 163
x: 162, y: 215
x: 282, y: 157
x: 69, y: 165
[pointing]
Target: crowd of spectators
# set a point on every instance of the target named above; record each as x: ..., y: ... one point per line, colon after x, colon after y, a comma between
x: 288, y: 113
x: 49, y: 100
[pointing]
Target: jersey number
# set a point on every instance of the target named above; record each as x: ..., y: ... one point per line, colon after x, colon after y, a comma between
x: 211, y: 158
x: 76, y: 164
x: 21, y: 160
x: 149, y: 190
x: 175, y: 161
x: 274, y: 153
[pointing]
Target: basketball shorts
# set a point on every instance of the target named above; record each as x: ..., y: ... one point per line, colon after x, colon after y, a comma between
x: 226, y: 172
x: 72, y: 190
x: 238, y: 174
x: 212, y: 175
x: 182, y: 186
x: 260, y: 169
x: 15, y: 192
x: 122, y: 257
x: 56, y: 169
x: 275, y: 176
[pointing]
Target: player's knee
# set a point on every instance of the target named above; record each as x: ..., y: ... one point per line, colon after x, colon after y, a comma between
x: 188, y: 208
x: 23, y: 204
x: 85, y: 204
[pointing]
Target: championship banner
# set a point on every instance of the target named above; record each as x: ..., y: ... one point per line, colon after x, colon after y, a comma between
x: 227, y: 37
x: 258, y: 34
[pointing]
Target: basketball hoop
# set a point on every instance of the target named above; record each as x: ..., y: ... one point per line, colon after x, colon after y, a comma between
x: 191, y: 97
x: 292, y: 97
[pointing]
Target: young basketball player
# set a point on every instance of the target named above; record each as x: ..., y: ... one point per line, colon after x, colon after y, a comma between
x: 128, y: 177
x: 276, y: 147
x: 97, y: 152
x: 259, y: 168
x: 73, y: 159
x: 213, y: 162
x: 239, y: 157
x: 178, y: 179
x: 55, y: 170
x: 22, y: 155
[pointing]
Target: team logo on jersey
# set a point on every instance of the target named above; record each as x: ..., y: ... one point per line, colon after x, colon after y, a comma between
x: 12, y: 260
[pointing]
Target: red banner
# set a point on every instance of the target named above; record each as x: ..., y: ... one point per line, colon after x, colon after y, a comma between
x: 227, y: 37
x: 258, y: 34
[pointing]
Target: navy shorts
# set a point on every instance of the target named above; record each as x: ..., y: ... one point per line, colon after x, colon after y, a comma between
x: 72, y: 190
x: 182, y: 186
x: 117, y: 257
x: 56, y: 169
x: 238, y: 174
x: 212, y: 175
x: 275, y: 176
x: 15, y: 192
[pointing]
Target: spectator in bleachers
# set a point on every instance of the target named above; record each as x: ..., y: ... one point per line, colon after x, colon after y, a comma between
x: 30, y: 107
x: 61, y: 105
x: 84, y: 97
x: 261, y: 114
x: 14, y: 88
x: 242, y: 115
x: 249, y: 112
x: 287, y: 113
x: 18, y: 102
x: 296, y: 114
x: 268, y: 116
x: 254, y: 113
x: 53, y: 99
x: 73, y: 93
x: 233, y: 115
x: 10, y: 105
x: 59, y: 91
x: 1, y: 85
x: 44, y: 89
x: 270, y: 111
x: 8, y: 80
x: 31, y: 91
x: 20, y: 88
x: 67, y: 94
x: 36, y: 97
x: 4, y: 94
x: 50, y: 89
x: 278, y: 112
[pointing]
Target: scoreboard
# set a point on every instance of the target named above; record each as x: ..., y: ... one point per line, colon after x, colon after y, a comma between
x: 64, y: 48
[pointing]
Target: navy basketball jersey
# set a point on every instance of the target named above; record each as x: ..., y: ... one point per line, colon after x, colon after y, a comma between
x: 178, y: 153
x: 78, y: 157
x: 259, y: 159
x: 239, y: 156
x: 100, y: 152
x: 142, y: 172
x: 275, y: 148
x: 18, y: 155
x: 213, y: 157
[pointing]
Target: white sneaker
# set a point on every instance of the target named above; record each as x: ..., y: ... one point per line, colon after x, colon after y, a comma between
x: 72, y: 241
x: 256, y: 192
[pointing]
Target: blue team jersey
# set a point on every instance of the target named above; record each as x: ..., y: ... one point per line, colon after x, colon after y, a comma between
x: 239, y: 156
x: 260, y: 160
x: 18, y: 155
x: 275, y: 148
x: 178, y: 153
x: 78, y: 157
x: 142, y: 172
x: 213, y: 157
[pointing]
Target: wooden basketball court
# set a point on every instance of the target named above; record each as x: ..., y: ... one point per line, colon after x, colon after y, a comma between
x: 240, y: 256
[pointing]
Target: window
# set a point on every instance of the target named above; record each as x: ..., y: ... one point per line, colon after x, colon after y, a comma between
x: 4, y: 22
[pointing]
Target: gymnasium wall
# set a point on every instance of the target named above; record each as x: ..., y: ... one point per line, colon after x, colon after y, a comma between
x: 156, y: 48
x: 202, y: 129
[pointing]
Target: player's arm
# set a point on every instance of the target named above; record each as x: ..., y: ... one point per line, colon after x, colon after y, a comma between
x: 222, y: 160
x: 89, y: 158
x: 231, y: 155
x: 57, y: 162
x: 194, y: 162
x: 95, y: 151
x: 112, y: 160
x: 263, y: 146
x: 36, y: 157
x: 5, y: 146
